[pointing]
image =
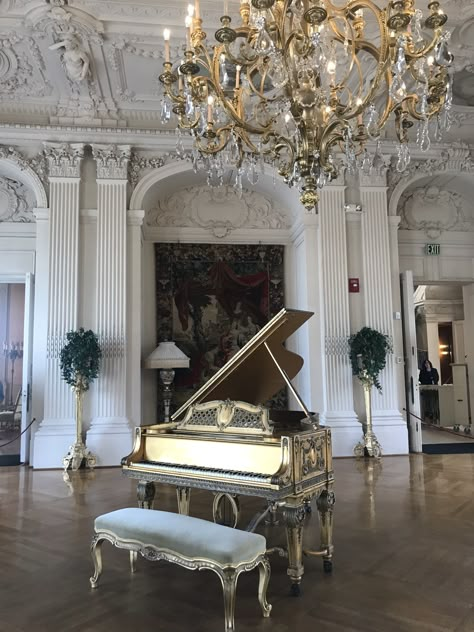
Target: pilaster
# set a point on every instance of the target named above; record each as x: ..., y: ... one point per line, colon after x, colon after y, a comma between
x: 134, y: 315
x: 57, y: 430
x: 389, y: 424
x: 339, y: 412
x: 309, y: 338
x: 110, y: 435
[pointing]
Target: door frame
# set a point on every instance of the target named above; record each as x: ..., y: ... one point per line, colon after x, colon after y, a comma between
x: 410, y: 354
x: 27, y: 280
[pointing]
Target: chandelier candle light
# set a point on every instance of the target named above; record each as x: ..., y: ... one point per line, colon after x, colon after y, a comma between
x: 299, y: 81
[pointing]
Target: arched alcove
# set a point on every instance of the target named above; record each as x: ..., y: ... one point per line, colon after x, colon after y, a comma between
x: 180, y: 207
x: 15, y: 169
x: 436, y: 208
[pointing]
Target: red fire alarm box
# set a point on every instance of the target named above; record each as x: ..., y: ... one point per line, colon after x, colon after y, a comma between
x: 354, y: 285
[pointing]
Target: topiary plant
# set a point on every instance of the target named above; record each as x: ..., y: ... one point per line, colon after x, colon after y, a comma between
x: 368, y: 354
x: 80, y: 365
x: 80, y: 359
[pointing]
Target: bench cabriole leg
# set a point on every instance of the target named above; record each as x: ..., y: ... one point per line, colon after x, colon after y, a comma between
x: 229, y: 584
x: 264, y: 571
x: 96, y: 554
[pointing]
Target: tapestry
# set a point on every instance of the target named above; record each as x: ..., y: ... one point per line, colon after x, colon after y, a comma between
x: 211, y: 299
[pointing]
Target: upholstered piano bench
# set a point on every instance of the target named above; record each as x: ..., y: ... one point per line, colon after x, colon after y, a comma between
x: 190, y: 542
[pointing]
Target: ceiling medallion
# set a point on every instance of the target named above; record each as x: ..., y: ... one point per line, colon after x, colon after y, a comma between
x: 297, y: 81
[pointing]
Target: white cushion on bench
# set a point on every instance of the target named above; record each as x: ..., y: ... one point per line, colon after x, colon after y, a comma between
x: 190, y: 537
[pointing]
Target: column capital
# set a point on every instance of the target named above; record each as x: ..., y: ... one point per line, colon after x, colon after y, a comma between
x: 64, y: 159
x: 339, y: 181
x: 135, y: 218
x: 376, y: 179
x: 112, y: 161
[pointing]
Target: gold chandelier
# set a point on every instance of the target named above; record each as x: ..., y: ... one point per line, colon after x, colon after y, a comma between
x: 300, y: 81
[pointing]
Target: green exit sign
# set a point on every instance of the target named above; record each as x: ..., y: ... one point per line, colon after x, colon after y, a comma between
x: 432, y: 249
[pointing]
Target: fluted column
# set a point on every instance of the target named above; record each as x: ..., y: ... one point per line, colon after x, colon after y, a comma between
x: 134, y: 315
x: 57, y: 430
x: 390, y: 427
x: 109, y: 436
x: 339, y: 413
x: 306, y: 289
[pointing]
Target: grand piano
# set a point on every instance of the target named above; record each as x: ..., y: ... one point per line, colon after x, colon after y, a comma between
x: 224, y: 439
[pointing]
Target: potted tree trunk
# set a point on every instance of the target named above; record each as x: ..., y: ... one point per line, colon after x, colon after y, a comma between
x: 368, y: 350
x: 80, y: 365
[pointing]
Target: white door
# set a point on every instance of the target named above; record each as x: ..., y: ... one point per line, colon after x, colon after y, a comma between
x: 411, y: 363
x: 27, y: 370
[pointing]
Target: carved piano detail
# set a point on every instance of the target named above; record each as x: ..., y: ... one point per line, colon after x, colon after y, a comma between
x: 224, y: 440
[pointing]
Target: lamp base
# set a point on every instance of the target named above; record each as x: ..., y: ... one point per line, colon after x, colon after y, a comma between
x: 77, y: 455
x: 368, y: 447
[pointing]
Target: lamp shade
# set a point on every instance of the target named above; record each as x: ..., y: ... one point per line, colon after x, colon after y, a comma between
x: 167, y: 356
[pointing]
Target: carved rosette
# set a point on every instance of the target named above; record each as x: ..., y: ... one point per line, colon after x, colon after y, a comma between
x: 64, y: 159
x: 112, y: 161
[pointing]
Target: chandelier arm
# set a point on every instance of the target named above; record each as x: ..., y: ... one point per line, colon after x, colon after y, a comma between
x: 238, y: 61
x: 215, y: 148
x: 411, y: 56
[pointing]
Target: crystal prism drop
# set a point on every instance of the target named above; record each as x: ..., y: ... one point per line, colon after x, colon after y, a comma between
x: 234, y: 150
x: 404, y: 157
x: 238, y: 184
x: 442, y: 55
x: 189, y: 107
x: 398, y: 89
x: 252, y: 174
x: 180, y: 151
x: 372, y: 126
x: 165, y: 111
x: 264, y: 43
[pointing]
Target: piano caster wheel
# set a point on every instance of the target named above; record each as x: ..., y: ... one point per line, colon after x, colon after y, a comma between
x: 327, y: 566
x: 295, y: 590
x: 308, y: 509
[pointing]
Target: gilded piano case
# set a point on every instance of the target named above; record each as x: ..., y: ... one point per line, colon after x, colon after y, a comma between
x: 225, y: 440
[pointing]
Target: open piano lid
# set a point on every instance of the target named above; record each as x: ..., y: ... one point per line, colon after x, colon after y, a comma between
x: 251, y: 375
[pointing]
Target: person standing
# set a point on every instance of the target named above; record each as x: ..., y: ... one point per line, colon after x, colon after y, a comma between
x: 428, y: 374
x: 429, y: 398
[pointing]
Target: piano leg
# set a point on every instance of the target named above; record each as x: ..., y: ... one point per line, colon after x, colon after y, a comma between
x: 145, y: 494
x: 294, y: 521
x: 325, y: 504
x: 184, y: 498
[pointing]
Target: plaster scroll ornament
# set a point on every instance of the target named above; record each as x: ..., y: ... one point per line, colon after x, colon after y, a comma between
x: 433, y: 211
x: 75, y: 59
x: 16, y: 202
x: 217, y: 210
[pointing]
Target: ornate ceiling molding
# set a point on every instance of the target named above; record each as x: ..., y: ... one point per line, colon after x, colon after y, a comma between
x: 58, y: 19
x: 22, y: 68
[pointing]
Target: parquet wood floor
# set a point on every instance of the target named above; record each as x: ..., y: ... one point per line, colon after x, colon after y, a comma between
x: 403, y: 562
